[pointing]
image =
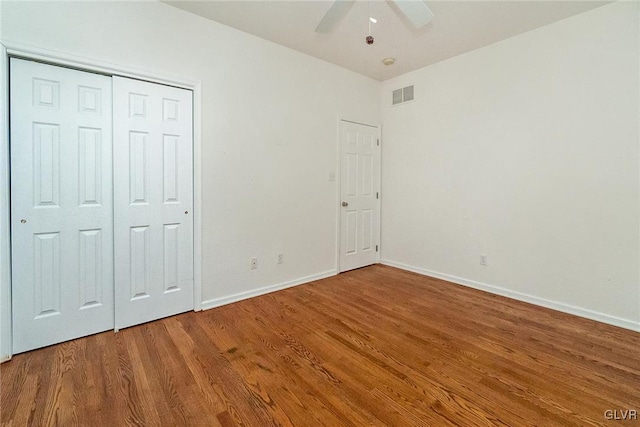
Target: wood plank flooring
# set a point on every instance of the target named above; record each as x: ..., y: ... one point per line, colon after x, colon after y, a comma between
x: 376, y: 346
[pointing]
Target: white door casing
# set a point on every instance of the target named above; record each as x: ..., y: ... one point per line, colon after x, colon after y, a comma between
x: 61, y: 204
x: 359, y: 195
x: 5, y: 206
x: 153, y: 193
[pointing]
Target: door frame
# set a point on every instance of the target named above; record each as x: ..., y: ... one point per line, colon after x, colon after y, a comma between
x: 8, y: 50
x: 6, y: 317
x: 339, y: 188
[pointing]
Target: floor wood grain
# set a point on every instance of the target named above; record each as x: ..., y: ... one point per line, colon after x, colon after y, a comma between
x: 376, y: 346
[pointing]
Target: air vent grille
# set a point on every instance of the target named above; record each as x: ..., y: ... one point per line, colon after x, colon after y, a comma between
x: 402, y: 95
x: 407, y: 93
x: 397, y: 96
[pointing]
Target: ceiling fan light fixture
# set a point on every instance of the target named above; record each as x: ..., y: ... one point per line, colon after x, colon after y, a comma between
x: 416, y: 12
x: 388, y: 61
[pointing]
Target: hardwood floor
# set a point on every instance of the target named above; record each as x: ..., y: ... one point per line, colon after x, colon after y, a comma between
x: 375, y: 346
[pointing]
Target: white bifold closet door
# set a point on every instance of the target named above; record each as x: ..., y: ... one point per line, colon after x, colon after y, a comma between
x: 61, y: 204
x: 101, y: 203
x: 153, y: 197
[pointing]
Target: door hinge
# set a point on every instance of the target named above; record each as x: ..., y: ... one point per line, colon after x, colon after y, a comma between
x: 376, y: 248
x: 378, y: 141
x: 377, y: 195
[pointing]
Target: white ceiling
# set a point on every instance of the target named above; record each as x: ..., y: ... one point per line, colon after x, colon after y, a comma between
x: 458, y: 27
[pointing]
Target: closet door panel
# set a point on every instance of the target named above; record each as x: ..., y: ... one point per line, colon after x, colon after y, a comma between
x: 153, y: 196
x: 61, y: 204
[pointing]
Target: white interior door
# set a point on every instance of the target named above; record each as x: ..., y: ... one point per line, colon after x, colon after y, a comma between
x: 61, y: 204
x: 153, y: 197
x: 359, y: 190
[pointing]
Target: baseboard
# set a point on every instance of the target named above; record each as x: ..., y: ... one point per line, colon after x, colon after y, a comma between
x: 217, y: 302
x: 554, y: 305
x: 5, y: 358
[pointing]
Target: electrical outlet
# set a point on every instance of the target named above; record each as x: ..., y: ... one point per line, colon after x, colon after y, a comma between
x: 280, y: 258
x: 254, y: 263
x: 483, y: 260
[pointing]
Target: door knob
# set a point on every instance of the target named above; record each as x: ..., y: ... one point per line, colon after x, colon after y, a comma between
x: 23, y: 221
x: 345, y: 204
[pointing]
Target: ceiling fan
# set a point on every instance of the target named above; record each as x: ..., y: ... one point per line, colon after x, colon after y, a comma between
x: 415, y: 10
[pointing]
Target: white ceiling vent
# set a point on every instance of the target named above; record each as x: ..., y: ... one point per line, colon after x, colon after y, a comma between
x: 402, y: 95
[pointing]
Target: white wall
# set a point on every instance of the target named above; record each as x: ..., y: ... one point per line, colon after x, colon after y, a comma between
x: 269, y: 128
x: 526, y: 151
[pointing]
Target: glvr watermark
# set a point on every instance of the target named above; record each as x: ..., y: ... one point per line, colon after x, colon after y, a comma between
x: 621, y: 414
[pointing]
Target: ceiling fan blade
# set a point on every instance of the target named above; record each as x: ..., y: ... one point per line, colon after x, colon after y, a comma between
x: 416, y: 11
x: 336, y: 12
